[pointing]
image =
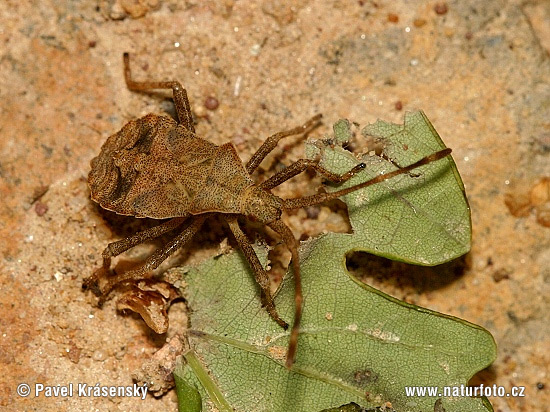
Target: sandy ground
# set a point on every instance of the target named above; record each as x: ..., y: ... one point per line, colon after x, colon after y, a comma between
x: 480, y: 70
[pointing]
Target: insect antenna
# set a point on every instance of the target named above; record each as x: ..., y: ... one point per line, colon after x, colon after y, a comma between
x: 323, y: 197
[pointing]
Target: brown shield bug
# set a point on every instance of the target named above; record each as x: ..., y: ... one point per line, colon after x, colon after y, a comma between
x: 158, y: 168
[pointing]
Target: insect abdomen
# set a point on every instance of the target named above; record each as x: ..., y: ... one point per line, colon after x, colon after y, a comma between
x: 135, y: 173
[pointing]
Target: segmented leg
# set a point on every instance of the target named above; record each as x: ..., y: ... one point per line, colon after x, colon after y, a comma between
x: 323, y: 197
x: 259, y: 272
x: 183, y: 109
x: 153, y: 261
x: 300, y: 165
x: 116, y: 248
x: 271, y: 142
x: 292, y: 244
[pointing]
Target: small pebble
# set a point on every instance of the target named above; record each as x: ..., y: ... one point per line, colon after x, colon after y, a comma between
x: 211, y: 103
x: 99, y: 356
x: 40, y: 208
x: 73, y: 354
x: 398, y: 105
x: 393, y: 18
x: 441, y: 8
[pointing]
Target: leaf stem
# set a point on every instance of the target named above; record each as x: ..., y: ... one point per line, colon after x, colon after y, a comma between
x: 208, y: 384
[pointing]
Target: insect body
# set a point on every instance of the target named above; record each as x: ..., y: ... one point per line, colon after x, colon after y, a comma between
x: 158, y: 169
x: 155, y: 167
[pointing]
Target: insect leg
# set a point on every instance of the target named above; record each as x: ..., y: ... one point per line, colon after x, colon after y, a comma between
x: 300, y: 165
x: 159, y: 256
x: 292, y: 244
x: 116, y: 248
x: 181, y: 101
x: 120, y: 246
x: 259, y: 272
x: 270, y: 143
x: 323, y: 197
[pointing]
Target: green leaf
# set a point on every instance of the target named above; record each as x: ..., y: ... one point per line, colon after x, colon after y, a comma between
x: 342, y: 131
x: 420, y: 218
x: 189, y: 398
x: 356, y: 343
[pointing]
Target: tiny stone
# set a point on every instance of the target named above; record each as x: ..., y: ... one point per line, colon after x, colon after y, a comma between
x: 419, y: 22
x: 99, y: 356
x: 441, y: 8
x: 398, y: 105
x: 255, y: 50
x: 40, y: 208
x: 74, y: 354
x: 117, y: 12
x: 393, y: 18
x: 211, y: 103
